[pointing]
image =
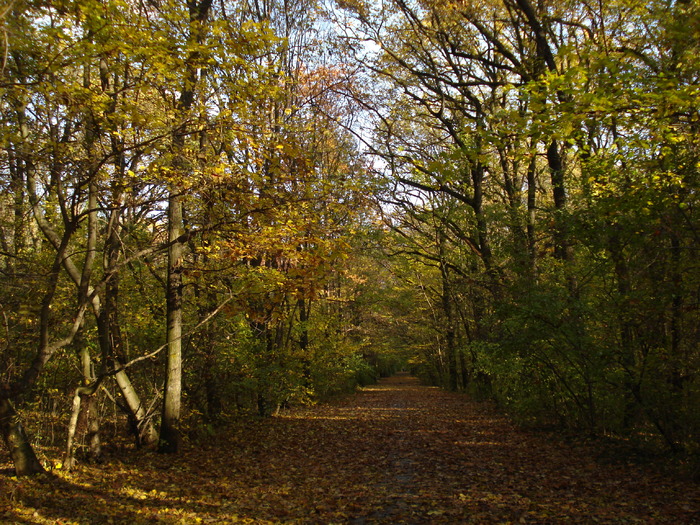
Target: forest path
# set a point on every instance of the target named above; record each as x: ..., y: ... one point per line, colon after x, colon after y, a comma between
x: 397, y: 452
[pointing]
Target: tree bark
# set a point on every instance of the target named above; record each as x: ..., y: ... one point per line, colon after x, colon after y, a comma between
x: 78, y: 408
x: 556, y: 169
x: 170, y: 423
x: 17, y: 442
x: 172, y: 396
x: 83, y: 401
x: 532, y: 216
x: 448, y: 311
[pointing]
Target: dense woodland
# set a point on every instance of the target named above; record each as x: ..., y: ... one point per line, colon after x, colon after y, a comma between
x: 217, y: 208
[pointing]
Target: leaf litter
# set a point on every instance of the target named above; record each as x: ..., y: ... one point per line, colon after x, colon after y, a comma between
x: 396, y: 452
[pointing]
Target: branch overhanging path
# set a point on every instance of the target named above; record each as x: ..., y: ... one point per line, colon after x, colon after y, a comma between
x: 397, y: 452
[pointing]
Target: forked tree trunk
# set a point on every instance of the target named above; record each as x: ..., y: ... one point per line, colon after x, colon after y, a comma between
x: 83, y: 418
x: 71, y: 445
x: 83, y: 415
x: 145, y: 433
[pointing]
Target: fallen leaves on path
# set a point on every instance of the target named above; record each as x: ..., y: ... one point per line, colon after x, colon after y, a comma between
x: 397, y: 452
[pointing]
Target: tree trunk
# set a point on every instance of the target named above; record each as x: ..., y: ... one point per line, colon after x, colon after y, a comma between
x: 89, y: 418
x: 448, y: 311
x: 546, y: 61
x: 304, y: 315
x: 677, y: 359
x: 18, y: 241
x: 17, y: 442
x: 144, y: 431
x: 142, y: 426
x: 532, y: 216
x: 172, y: 396
x: 71, y: 442
x: 514, y: 195
x: 477, y: 174
x: 562, y: 249
x: 170, y: 423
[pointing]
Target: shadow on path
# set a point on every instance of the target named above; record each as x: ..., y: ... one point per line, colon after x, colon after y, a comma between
x: 396, y: 452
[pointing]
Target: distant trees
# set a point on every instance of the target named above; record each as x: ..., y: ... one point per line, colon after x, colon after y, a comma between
x: 544, y: 157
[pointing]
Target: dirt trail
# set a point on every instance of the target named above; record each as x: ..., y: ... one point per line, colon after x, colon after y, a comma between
x: 397, y: 452
x: 406, y: 453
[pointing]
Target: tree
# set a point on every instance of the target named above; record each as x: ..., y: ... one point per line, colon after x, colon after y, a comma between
x: 526, y: 118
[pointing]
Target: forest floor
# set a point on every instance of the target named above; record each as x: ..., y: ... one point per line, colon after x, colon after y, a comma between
x: 397, y: 452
